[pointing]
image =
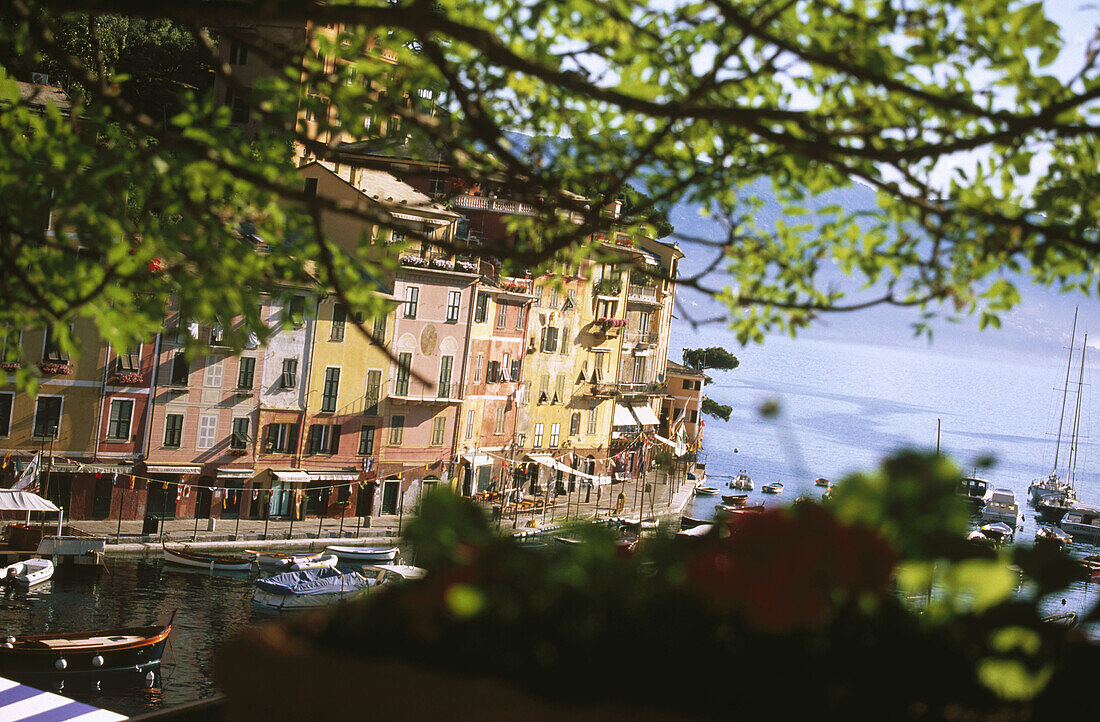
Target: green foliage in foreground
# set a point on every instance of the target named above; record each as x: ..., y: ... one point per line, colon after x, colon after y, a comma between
x: 715, y: 409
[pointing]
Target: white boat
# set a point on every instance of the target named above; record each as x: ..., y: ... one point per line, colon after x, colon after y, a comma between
x: 695, y: 531
x: 391, y: 573
x: 309, y: 589
x: 1002, y: 507
x: 282, y: 560
x: 1052, y: 535
x: 775, y: 487
x: 364, y: 554
x: 27, y: 573
x: 319, y: 561
x: 991, y: 534
x: 706, y: 490
x: 184, y: 557
x: 1082, y: 523
x: 1052, y: 486
x: 742, y: 481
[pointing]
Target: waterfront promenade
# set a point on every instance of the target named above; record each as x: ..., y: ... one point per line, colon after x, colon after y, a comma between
x: 655, y: 495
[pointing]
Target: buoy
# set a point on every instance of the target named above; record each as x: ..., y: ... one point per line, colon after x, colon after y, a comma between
x: 97, y: 661
x: 61, y: 665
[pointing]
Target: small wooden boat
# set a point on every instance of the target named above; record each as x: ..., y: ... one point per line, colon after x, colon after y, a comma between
x: 364, y: 554
x: 27, y: 573
x: 735, y: 499
x: 567, y: 541
x: 640, y: 525
x: 318, y: 561
x: 1092, y: 565
x: 690, y: 522
x: 281, y: 560
x: 695, y: 532
x: 822, y: 482
x: 184, y: 557
x: 105, y: 650
x: 775, y: 487
x: 309, y: 589
x: 706, y: 490
x: 737, y: 510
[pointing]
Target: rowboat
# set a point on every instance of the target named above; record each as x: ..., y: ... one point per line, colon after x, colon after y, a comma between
x: 309, y: 589
x: 690, y: 522
x: 364, y: 554
x: 821, y: 481
x: 735, y: 499
x: 280, y: 560
x: 775, y: 487
x: 105, y: 650
x: 383, y: 574
x: 706, y: 490
x: 27, y: 573
x: 695, y: 532
x: 317, y: 561
x: 184, y: 557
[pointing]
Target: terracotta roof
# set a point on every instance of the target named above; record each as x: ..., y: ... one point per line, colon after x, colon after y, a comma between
x: 38, y: 96
x: 682, y: 370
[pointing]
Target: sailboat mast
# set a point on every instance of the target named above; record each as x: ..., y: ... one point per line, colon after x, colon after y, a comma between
x: 1065, y: 391
x: 1077, y: 417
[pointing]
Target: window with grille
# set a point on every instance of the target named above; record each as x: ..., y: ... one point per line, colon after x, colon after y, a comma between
x: 330, y: 390
x: 173, y: 430
x: 412, y: 298
x: 118, y: 422
x: 208, y: 432
x: 374, y: 391
x: 404, y: 368
x: 246, y: 373
x: 397, y: 430
x: 281, y: 438
x: 339, y: 321
x: 289, y: 378
x: 454, y: 302
x: 446, y: 363
x: 130, y: 361
x: 481, y: 310
x: 439, y: 424
x: 366, y: 440
x: 238, y: 439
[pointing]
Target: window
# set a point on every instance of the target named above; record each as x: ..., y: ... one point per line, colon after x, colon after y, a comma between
x: 536, y: 440
x: 366, y: 440
x: 374, y: 391
x: 515, y: 370
x: 521, y: 316
x: 216, y: 335
x: 339, y: 320
x: 492, y: 374
x: 446, y: 363
x: 538, y: 297
x: 555, y: 430
x: 404, y: 366
x: 565, y: 339
x: 639, y: 370
x: 470, y: 425
x: 239, y: 438
x: 6, y: 401
x: 289, y: 378
x: 544, y: 384
x: 593, y: 419
x: 693, y: 416
x: 281, y: 438
x: 118, y: 422
x: 324, y: 439
x: 454, y: 301
x: 238, y: 105
x: 502, y: 314
x: 505, y: 367
x: 438, y: 184
x: 330, y: 390
x: 643, y: 323
x: 51, y: 351
x: 412, y: 296
x: 296, y: 312
x: 47, y: 416
x: 575, y: 424
x: 605, y: 308
x: 553, y: 298
x: 378, y: 331
x: 208, y: 432
x: 481, y: 310
x: 477, y: 367
x: 173, y: 430
x: 397, y: 430
x: 246, y: 373
x: 559, y: 389
x: 498, y: 428
x: 549, y: 339
x: 439, y: 424
x: 688, y: 384
x: 238, y: 54
x: 311, y: 187
x: 212, y: 377
x: 130, y: 362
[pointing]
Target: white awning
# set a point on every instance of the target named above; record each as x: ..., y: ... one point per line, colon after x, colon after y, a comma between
x: 105, y: 469
x: 235, y: 473
x: 550, y: 462
x: 165, y: 469
x: 623, y: 417
x: 334, y: 475
x: 292, y: 476
x: 24, y: 501
x: 645, y: 415
x: 476, y: 460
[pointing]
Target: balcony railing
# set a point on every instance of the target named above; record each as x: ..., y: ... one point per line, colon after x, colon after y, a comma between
x: 416, y: 391
x: 645, y: 338
x: 642, y: 294
x: 496, y: 205
x: 641, y: 388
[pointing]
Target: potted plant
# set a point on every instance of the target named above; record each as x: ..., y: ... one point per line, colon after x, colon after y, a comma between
x: 55, y: 368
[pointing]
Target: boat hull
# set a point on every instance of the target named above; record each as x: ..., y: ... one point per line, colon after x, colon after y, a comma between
x: 45, y: 658
x: 272, y: 602
x: 184, y: 559
x: 364, y: 554
x: 26, y: 574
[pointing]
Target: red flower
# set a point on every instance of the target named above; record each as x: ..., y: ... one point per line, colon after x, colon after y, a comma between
x: 155, y: 265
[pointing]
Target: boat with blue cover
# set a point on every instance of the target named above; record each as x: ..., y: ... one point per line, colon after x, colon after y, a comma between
x: 309, y: 589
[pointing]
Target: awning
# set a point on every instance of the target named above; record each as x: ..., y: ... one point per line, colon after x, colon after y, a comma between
x: 24, y: 501
x: 166, y: 469
x: 623, y: 417
x: 291, y: 476
x: 334, y: 475
x: 476, y: 460
x: 235, y: 473
x: 552, y: 463
x: 645, y: 415
x: 106, y: 469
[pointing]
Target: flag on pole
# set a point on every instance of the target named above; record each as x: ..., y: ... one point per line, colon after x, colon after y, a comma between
x: 28, y: 480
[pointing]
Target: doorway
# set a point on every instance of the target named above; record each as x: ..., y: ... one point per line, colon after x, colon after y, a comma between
x: 390, y: 492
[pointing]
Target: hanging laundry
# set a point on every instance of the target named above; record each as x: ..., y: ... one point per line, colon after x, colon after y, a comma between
x: 179, y: 492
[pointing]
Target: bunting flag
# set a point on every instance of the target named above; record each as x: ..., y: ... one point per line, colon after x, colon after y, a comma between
x: 179, y: 492
x: 28, y: 480
x: 131, y: 483
x: 114, y: 479
x: 255, y: 493
x: 7, y: 458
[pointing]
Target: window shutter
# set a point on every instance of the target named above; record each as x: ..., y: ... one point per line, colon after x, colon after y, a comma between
x: 292, y: 439
x: 334, y: 444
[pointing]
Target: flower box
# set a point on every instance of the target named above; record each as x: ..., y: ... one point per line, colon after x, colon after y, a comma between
x: 443, y: 264
x: 127, y: 379
x: 466, y: 266
x: 238, y: 452
x: 55, y: 368
x: 414, y: 261
x: 11, y: 366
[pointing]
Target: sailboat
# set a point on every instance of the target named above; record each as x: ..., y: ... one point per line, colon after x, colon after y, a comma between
x: 1053, y: 507
x: 1051, y: 486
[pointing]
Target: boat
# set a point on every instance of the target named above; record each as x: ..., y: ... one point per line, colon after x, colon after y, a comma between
x: 1052, y: 535
x: 742, y: 481
x: 383, y: 574
x: 706, y: 490
x: 27, y: 573
x: 735, y: 499
x: 648, y: 524
x: 309, y: 589
x: 1092, y: 565
x: 364, y: 554
x: 318, y: 561
x: 280, y: 560
x: 974, y: 490
x: 1082, y: 523
x: 1002, y: 507
x: 106, y: 650
x: 727, y: 510
x: 775, y: 487
x: 822, y: 482
x: 184, y: 557
x: 695, y: 532
x: 991, y: 534
x: 1051, y: 484
x: 690, y: 522
x: 568, y: 541
x: 1052, y: 508
x: 1062, y: 619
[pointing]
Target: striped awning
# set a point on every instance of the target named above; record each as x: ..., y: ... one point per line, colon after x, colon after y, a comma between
x: 334, y: 475
x: 172, y: 469
x: 106, y: 468
x: 19, y: 702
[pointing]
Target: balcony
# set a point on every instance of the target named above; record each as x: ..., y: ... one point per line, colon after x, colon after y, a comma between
x: 493, y: 205
x: 416, y: 392
x: 641, y: 388
x: 439, y: 263
x: 608, y: 326
x: 245, y: 391
x: 642, y: 338
x: 607, y: 288
x: 642, y: 294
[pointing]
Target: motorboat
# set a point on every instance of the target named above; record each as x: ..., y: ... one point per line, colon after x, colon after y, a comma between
x: 706, y: 490
x: 1052, y: 535
x: 280, y: 560
x: 742, y: 481
x: 364, y: 554
x: 1001, y: 507
x: 383, y: 574
x: 26, y: 574
x: 105, y: 650
x: 735, y: 499
x: 822, y: 482
x: 184, y: 557
x: 974, y: 490
x: 775, y: 487
x: 1053, y: 507
x: 991, y: 534
x: 319, y: 561
x: 1082, y: 523
x: 309, y: 589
